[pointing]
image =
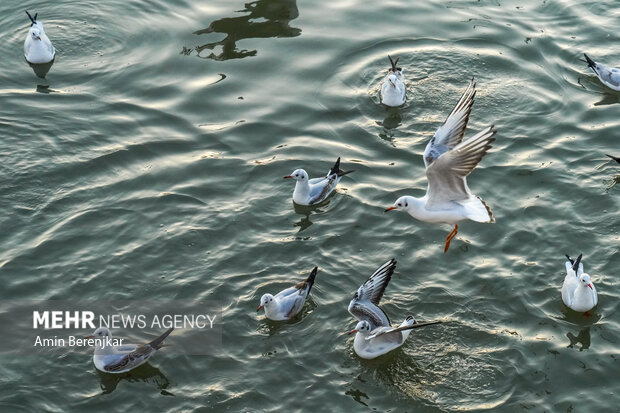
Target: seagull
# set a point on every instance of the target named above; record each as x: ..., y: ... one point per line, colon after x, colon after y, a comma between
x: 121, y: 359
x: 609, y: 76
x: 316, y: 190
x: 37, y: 47
x: 375, y: 334
x: 615, y: 158
x: 287, y: 303
x: 393, y: 88
x: 449, y: 160
x: 578, y: 292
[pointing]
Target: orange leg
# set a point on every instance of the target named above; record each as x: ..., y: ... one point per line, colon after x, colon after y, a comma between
x: 450, y: 237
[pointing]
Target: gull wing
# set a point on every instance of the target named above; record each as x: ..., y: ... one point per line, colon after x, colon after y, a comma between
x: 320, y: 191
x: 383, y: 331
x: 447, y: 174
x: 365, y: 302
x: 451, y: 132
x: 132, y: 359
x: 138, y: 356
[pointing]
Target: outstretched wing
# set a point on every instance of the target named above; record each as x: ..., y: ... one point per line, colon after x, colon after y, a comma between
x: 365, y: 302
x: 381, y: 332
x: 451, y: 132
x: 446, y: 175
x: 374, y: 287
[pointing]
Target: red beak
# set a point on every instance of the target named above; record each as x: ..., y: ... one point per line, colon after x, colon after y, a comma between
x: 590, y: 285
x: 389, y: 209
x: 38, y: 37
x: 287, y: 176
x: 90, y: 336
x: 352, y: 331
x: 260, y: 307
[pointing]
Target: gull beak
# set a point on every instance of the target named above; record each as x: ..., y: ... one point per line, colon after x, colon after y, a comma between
x: 38, y: 37
x: 287, y: 176
x: 389, y: 209
x: 352, y: 331
x: 260, y: 307
x: 393, y: 84
x: 590, y: 285
x: 90, y: 336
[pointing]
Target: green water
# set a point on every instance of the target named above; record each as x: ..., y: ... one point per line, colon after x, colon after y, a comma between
x: 148, y: 165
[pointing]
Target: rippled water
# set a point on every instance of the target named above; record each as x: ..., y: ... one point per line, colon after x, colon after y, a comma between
x: 148, y: 164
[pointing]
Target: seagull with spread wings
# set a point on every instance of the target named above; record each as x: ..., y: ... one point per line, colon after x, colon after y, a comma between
x: 449, y: 160
x: 375, y: 334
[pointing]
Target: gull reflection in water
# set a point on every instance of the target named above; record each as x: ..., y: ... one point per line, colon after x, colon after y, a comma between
x: 393, y: 119
x: 307, y: 210
x: 266, y: 18
x: 41, y: 69
x: 145, y: 373
x: 582, y: 338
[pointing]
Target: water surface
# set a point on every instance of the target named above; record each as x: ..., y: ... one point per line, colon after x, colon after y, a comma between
x: 148, y: 165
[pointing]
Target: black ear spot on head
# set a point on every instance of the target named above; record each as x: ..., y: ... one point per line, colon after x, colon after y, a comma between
x: 399, y: 69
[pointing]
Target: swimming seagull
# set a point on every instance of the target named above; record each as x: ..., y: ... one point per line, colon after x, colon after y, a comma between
x: 615, y: 158
x: 37, y: 47
x: 449, y: 160
x: 393, y: 88
x: 287, y: 303
x: 609, y: 76
x: 120, y: 359
x: 578, y: 292
x: 315, y: 190
x: 375, y: 334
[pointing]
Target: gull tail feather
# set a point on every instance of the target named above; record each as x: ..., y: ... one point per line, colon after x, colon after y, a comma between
x: 336, y: 168
x: 615, y: 158
x: 478, y: 210
x: 157, y: 343
x: 590, y: 62
x: 33, y: 20
x: 311, y: 277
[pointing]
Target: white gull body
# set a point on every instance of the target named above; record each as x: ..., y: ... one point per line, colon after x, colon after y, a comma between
x: 374, y: 333
x: 38, y: 48
x: 287, y: 303
x: 449, y: 160
x: 609, y: 76
x: 316, y: 190
x: 393, y: 90
x: 121, y: 359
x: 578, y: 291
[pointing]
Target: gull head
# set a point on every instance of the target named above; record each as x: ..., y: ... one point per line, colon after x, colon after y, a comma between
x: 298, y: 175
x: 265, y: 301
x: 35, y: 33
x: 101, y: 332
x: 363, y: 327
x: 404, y: 202
x: 585, y: 279
x: 392, y: 79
